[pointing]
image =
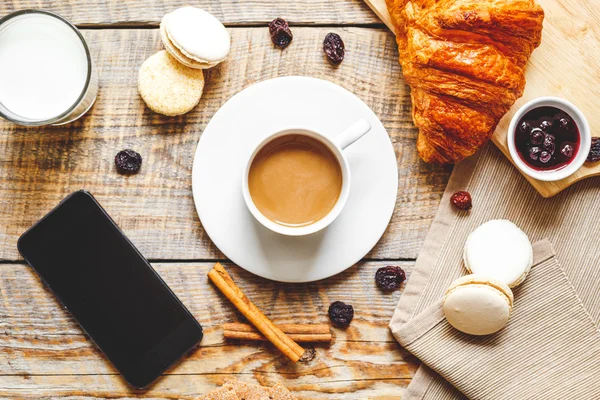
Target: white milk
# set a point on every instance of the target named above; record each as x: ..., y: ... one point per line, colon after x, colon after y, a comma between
x: 43, y: 66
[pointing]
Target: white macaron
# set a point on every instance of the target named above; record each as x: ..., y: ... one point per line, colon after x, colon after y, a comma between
x: 500, y: 250
x: 478, y: 305
x: 195, y: 37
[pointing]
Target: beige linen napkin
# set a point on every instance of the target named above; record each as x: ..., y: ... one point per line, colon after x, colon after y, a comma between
x: 571, y: 220
x: 549, y: 350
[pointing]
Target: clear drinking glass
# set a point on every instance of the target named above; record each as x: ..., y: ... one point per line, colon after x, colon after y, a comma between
x: 47, y: 76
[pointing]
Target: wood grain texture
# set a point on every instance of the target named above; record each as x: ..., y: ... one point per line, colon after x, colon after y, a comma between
x: 40, y: 166
x: 43, y: 352
x: 132, y: 13
x: 566, y: 65
x: 379, y: 7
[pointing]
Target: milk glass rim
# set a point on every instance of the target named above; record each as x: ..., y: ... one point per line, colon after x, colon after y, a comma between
x: 59, y: 117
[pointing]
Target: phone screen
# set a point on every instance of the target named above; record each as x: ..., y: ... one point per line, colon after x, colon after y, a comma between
x: 110, y: 289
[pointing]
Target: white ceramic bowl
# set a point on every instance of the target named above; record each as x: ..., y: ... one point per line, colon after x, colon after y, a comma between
x: 584, y: 144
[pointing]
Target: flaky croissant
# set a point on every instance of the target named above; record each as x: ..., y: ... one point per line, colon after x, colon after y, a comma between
x: 464, y: 61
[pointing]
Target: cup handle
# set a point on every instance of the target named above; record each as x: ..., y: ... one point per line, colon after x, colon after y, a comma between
x: 352, y: 134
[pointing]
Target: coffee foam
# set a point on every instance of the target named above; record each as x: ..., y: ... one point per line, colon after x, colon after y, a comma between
x: 295, y: 180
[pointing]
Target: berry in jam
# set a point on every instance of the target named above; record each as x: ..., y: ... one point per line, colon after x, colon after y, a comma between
x: 563, y: 123
x: 547, y: 138
x: 546, y: 124
x: 534, y: 153
x: 525, y: 127
x: 549, y: 144
x: 567, y: 150
x: 536, y: 137
x: 545, y: 156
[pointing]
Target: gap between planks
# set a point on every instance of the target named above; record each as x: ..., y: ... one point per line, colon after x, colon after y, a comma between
x: 213, y: 374
x: 226, y: 260
x: 155, y: 25
x: 221, y: 260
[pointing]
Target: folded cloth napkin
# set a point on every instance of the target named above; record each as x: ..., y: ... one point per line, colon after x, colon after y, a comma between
x: 550, y: 348
x: 571, y: 220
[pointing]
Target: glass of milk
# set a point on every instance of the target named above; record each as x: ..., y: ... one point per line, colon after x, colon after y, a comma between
x: 46, y: 72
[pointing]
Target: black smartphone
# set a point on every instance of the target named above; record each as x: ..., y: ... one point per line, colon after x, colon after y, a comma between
x: 110, y: 288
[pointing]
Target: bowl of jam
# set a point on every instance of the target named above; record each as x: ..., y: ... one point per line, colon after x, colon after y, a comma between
x: 549, y: 138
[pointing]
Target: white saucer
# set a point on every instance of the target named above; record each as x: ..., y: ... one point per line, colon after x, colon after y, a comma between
x: 225, y: 146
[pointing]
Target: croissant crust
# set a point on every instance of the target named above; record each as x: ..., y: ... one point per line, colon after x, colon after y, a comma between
x: 464, y: 61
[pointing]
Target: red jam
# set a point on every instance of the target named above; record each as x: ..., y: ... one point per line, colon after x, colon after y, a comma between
x: 547, y: 138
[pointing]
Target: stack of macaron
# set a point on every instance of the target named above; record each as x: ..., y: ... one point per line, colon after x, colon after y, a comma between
x: 498, y: 256
x: 171, y: 82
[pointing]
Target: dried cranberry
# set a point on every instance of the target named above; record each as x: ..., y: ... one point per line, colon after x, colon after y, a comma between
x: 128, y: 161
x: 334, y: 48
x: 341, y: 313
x: 462, y: 200
x: 281, y: 35
x: 390, y: 278
x: 594, y: 154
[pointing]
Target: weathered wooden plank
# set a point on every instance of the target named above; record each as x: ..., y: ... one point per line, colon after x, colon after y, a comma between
x: 39, y: 167
x: 189, y: 387
x: 38, y: 337
x: 230, y: 12
x: 27, y: 308
x: 72, y: 354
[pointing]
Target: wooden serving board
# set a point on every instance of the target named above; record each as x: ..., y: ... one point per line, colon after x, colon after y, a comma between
x: 567, y: 65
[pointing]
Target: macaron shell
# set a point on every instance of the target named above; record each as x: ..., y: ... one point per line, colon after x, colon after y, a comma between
x: 198, y: 35
x: 499, y: 249
x: 178, y: 55
x: 483, y: 280
x: 477, y: 309
x: 168, y: 87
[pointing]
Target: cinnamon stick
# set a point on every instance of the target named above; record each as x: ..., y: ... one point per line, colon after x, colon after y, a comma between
x: 225, y: 284
x: 296, y: 332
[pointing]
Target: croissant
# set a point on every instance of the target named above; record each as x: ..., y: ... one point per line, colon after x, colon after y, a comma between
x: 464, y: 61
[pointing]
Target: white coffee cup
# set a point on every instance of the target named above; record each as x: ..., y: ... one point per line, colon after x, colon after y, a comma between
x: 336, y: 145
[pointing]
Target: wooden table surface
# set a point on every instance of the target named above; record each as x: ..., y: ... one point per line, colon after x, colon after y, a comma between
x: 43, y: 352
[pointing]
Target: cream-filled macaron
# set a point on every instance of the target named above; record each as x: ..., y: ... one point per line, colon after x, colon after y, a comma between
x: 478, y: 305
x: 195, y: 37
x: 500, y: 250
